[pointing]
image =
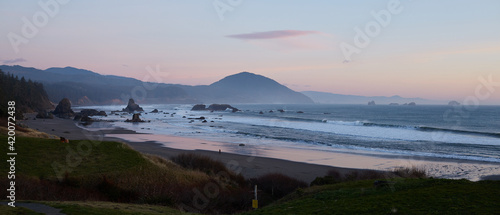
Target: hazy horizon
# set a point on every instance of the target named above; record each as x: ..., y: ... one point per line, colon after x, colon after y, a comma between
x: 445, y: 50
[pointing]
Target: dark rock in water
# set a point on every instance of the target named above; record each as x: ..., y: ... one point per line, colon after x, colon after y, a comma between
x: 221, y: 107
x: 92, y: 112
x: 89, y: 112
x: 199, y: 107
x: 261, y: 112
x: 371, y: 103
x: 214, y: 107
x: 300, y: 111
x: 86, y: 119
x: 281, y: 110
x: 63, y: 109
x: 453, y: 103
x: 155, y: 111
x: 132, y: 106
x: 204, y: 121
x: 85, y: 113
x: 241, y: 144
x: 199, y: 118
x: 412, y: 104
x: 135, y: 118
x: 184, y: 117
x: 44, y: 115
x: 78, y: 117
x: 271, y: 111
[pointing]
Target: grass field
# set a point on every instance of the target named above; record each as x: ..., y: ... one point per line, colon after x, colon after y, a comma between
x: 81, y: 170
x: 111, y: 208
x: 405, y: 196
x: 111, y: 178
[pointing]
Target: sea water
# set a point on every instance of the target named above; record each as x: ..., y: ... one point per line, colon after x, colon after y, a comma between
x: 427, y: 131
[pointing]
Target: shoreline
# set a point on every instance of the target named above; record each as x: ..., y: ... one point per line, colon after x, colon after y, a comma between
x: 257, y: 161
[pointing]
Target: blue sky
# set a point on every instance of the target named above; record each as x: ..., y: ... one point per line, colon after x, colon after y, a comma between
x: 430, y: 49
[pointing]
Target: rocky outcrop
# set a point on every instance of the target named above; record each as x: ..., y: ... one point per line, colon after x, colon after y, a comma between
x: 199, y: 107
x: 85, y: 114
x: 132, y: 107
x: 412, y: 104
x: 63, y: 109
x: 214, y: 107
x: 92, y: 112
x: 44, y: 115
x: 371, y: 103
x: 155, y: 111
x: 221, y: 107
x: 135, y: 118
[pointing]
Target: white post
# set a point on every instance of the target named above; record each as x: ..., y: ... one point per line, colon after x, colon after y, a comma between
x: 255, y: 191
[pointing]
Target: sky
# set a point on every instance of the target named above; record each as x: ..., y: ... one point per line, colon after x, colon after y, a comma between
x: 443, y: 50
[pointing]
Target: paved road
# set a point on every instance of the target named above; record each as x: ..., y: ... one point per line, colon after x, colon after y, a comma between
x: 37, y: 207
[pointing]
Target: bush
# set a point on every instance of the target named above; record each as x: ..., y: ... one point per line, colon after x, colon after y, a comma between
x: 277, y: 185
x: 407, y: 172
x: 200, y: 163
x: 210, y: 167
x: 334, y: 177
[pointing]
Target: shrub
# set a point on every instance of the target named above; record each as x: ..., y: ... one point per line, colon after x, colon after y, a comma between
x: 410, y: 172
x: 210, y: 167
x: 325, y: 180
x: 334, y: 177
x: 278, y: 185
x: 200, y: 162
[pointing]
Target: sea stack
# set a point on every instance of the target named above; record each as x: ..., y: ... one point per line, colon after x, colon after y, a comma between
x: 135, y: 118
x: 63, y: 109
x: 132, y: 106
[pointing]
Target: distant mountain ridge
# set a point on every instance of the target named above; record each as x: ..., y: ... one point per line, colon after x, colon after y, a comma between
x: 331, y: 98
x: 84, y: 87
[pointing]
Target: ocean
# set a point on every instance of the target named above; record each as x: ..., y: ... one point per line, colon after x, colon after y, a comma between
x: 425, y: 131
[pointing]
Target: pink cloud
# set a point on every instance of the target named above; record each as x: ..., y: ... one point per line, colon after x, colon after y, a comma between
x: 271, y: 34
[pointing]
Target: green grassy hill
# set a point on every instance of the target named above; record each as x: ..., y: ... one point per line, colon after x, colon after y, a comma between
x: 82, y: 170
x: 405, y: 196
x: 85, y: 177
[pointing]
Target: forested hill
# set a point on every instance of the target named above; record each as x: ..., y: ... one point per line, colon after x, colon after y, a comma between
x: 29, y: 96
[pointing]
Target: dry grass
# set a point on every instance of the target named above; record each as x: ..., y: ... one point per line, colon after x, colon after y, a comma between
x: 410, y: 172
x: 334, y: 177
x: 24, y: 132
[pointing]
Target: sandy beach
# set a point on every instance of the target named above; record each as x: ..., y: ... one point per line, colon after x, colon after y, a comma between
x: 253, y: 161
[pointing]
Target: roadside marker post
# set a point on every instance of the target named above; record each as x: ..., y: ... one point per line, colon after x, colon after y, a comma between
x: 255, y: 202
